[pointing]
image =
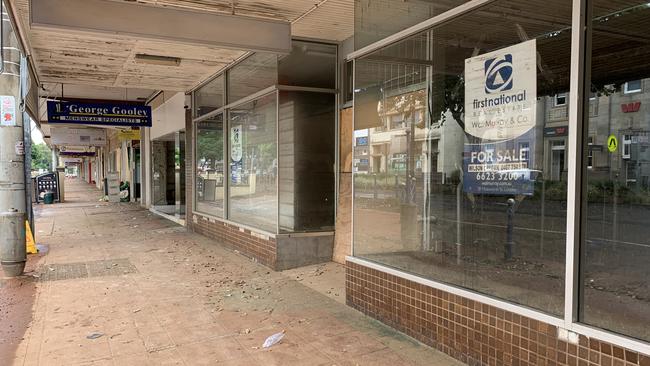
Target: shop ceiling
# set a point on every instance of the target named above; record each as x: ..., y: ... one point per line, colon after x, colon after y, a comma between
x: 99, y: 58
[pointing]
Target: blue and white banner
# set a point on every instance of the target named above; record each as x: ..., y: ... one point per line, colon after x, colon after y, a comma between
x: 500, y: 168
x: 500, y: 116
x: 99, y: 114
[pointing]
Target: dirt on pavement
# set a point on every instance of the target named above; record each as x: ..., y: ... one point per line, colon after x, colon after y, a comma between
x: 16, y: 301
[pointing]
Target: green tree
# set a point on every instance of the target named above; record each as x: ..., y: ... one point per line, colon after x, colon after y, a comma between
x: 41, y: 157
x: 209, y: 148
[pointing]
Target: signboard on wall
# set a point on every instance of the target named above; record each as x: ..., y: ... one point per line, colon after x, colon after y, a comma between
x: 78, y: 136
x: 500, y: 116
x: 71, y: 161
x: 78, y: 153
x: 556, y: 131
x: 128, y: 135
x: 7, y: 110
x: 103, y: 114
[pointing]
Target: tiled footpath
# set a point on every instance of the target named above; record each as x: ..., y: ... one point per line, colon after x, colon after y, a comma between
x: 121, y: 286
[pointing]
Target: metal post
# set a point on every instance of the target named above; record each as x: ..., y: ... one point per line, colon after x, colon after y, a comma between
x: 55, y: 163
x: 543, y: 220
x: 12, y: 159
x: 374, y: 186
x: 459, y: 218
x: 509, y: 240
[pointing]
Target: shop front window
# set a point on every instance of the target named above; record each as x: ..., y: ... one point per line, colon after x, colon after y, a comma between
x: 460, y: 190
x: 253, y: 164
x: 210, y: 173
x: 374, y: 20
x: 210, y: 97
x: 616, y: 245
x: 255, y: 73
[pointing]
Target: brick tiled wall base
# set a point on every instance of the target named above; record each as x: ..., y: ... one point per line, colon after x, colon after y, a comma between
x: 472, y: 332
x: 253, y: 245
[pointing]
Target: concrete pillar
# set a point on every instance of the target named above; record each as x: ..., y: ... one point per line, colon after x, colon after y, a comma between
x: 12, y: 159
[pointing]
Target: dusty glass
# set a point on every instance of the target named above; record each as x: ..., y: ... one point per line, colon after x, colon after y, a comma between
x: 209, y: 97
x: 210, y: 173
x: 616, y: 245
x: 459, y: 156
x: 251, y: 75
x: 253, y: 164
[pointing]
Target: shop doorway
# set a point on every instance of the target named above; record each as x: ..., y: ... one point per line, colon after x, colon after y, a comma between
x: 558, y: 153
x: 168, y: 174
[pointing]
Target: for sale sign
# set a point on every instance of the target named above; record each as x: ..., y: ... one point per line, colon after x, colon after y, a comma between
x: 500, y: 101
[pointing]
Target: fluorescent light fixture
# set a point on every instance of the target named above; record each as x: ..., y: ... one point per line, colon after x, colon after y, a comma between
x: 142, y: 58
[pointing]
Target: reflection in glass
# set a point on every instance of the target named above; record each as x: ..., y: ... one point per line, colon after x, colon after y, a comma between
x: 307, y: 122
x: 377, y: 19
x: 453, y: 185
x: 209, y: 97
x: 209, y: 166
x: 253, y: 172
x: 253, y: 74
x: 616, y: 246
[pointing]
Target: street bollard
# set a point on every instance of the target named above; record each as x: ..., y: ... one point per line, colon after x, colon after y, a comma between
x: 509, y: 240
x: 374, y: 186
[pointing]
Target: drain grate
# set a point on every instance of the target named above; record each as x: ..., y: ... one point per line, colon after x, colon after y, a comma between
x: 68, y: 271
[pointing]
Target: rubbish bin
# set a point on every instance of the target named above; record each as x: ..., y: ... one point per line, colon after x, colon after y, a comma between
x: 48, y: 199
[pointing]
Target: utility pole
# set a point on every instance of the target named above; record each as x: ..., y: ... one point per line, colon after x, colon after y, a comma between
x: 12, y: 156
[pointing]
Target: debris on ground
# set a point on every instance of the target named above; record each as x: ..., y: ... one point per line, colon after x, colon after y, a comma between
x: 273, y: 340
x: 94, y: 335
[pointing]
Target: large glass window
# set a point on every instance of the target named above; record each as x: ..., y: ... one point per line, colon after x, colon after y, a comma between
x: 252, y: 193
x: 616, y: 244
x: 253, y: 74
x: 210, y: 173
x: 210, y: 97
x: 377, y: 19
x: 456, y: 187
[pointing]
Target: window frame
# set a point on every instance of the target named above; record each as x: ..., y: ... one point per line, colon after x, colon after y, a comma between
x: 627, y: 90
x: 626, y: 151
x: 560, y: 95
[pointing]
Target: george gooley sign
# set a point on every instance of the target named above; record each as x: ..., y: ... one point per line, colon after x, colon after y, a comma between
x: 102, y: 114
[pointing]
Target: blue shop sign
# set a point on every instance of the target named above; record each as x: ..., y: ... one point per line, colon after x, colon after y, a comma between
x: 103, y: 114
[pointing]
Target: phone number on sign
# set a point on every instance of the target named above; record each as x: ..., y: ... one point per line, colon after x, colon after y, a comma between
x: 503, y: 176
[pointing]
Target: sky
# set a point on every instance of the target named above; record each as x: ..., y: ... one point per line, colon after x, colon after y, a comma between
x: 37, y: 136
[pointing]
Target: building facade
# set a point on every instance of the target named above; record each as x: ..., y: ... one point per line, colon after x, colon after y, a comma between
x: 479, y: 166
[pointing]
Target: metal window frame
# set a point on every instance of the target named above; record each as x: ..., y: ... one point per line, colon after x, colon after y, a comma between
x: 578, y: 104
x: 627, y: 90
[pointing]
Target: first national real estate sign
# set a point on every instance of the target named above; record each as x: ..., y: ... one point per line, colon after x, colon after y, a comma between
x: 100, y: 114
x: 500, y: 116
